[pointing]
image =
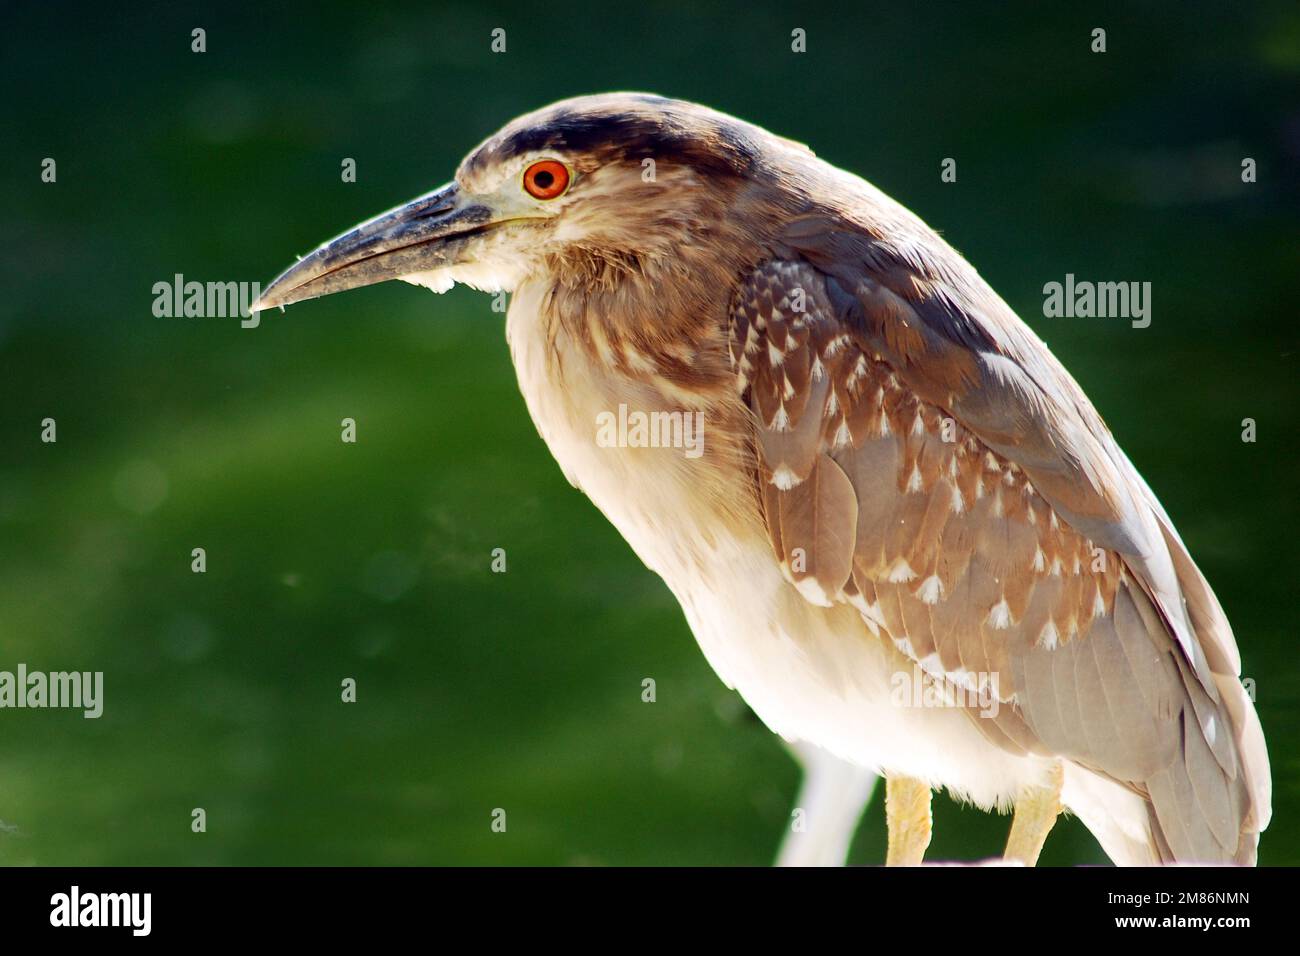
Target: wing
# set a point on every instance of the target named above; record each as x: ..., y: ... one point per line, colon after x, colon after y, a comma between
x: 923, y: 457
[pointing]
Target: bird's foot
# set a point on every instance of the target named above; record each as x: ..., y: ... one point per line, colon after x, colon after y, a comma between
x: 1036, y: 811
x: 907, y: 812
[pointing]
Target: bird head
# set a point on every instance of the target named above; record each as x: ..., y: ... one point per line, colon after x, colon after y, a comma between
x: 592, y: 189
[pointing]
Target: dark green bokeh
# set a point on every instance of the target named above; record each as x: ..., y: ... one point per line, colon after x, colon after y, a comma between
x: 327, y: 561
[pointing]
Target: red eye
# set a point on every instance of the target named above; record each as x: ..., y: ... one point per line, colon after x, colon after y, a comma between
x: 546, y: 179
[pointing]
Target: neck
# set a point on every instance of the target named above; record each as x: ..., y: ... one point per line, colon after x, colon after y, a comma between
x: 654, y: 313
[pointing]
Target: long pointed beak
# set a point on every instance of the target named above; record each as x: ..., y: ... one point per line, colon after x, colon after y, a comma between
x: 424, y: 234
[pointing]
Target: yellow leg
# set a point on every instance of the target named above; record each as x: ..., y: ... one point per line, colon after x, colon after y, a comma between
x: 907, y: 811
x: 1035, y: 814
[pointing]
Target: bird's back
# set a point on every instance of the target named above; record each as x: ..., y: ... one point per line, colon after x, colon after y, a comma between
x: 894, y: 308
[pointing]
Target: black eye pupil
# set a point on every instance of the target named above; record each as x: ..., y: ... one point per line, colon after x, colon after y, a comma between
x: 544, y: 179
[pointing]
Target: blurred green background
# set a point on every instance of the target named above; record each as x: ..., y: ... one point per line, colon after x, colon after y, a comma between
x: 326, y: 560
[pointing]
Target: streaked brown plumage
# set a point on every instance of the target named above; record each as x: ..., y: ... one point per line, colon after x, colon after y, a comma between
x: 898, y: 474
x: 948, y: 549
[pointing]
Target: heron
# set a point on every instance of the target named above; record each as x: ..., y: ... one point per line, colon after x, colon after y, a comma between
x: 909, y: 540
